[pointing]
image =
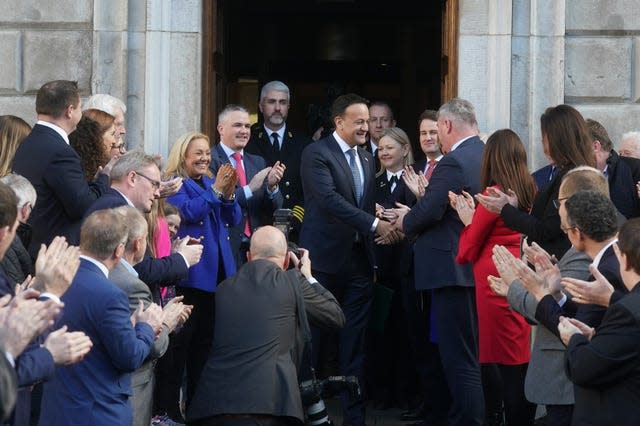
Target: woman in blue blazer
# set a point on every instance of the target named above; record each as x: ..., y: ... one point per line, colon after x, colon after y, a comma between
x: 208, y: 209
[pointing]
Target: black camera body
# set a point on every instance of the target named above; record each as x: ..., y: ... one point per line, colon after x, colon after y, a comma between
x: 311, y: 392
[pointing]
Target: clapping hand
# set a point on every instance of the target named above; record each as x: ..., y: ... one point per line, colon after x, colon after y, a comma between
x: 274, y: 175
x: 170, y: 187
x: 464, y: 205
x: 226, y: 180
x: 56, y: 266
x: 567, y: 327
x: 495, y: 199
x: 597, y: 292
x: 416, y: 182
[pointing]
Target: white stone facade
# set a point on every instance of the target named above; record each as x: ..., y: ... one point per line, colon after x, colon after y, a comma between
x: 146, y: 52
x: 516, y: 58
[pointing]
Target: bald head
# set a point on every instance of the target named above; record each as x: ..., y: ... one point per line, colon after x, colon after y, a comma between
x: 268, y: 243
x: 583, y: 178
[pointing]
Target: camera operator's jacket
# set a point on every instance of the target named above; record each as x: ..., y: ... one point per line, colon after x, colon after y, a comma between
x: 252, y: 365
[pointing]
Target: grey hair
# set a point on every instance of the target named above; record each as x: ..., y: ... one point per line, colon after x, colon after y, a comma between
x: 132, y: 161
x: 635, y: 135
x: 228, y: 110
x: 275, y: 85
x: 106, y: 103
x: 25, y: 192
x: 136, y: 223
x: 459, y: 111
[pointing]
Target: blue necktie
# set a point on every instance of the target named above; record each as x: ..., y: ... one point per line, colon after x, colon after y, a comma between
x: 355, y: 173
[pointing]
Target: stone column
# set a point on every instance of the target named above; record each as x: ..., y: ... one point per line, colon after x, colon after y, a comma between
x: 537, y: 79
x: 484, y: 60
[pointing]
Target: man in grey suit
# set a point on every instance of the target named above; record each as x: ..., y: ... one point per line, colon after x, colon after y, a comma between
x: 251, y: 376
x: 546, y: 381
x: 174, y: 313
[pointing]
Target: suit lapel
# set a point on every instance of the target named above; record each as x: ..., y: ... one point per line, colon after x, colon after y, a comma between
x: 342, y: 161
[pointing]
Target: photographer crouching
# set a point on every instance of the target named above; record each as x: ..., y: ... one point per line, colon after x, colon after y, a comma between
x: 251, y: 376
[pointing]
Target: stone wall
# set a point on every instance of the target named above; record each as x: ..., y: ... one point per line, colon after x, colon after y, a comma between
x: 602, y: 55
x: 145, y: 52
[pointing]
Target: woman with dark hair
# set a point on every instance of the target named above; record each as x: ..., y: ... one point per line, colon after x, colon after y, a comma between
x: 13, y: 130
x: 567, y: 143
x: 503, y: 334
x: 95, y: 140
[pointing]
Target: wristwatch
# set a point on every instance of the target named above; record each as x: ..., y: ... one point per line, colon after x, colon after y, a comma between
x: 220, y: 194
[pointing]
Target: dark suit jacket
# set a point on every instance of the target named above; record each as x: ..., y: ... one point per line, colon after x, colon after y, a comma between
x: 435, y: 226
x: 251, y: 368
x: 606, y: 370
x: 8, y: 386
x: 154, y: 272
x: 16, y: 262
x: 290, y: 152
x: 542, y: 224
x: 623, y: 174
x: 96, y: 390
x: 332, y: 215
x: 392, y: 260
x: 548, y: 311
x: 141, y: 399
x: 55, y: 171
x: 259, y: 208
x: 376, y: 160
x: 541, y: 176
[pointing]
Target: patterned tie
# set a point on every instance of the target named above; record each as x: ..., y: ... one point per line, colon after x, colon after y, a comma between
x: 355, y: 173
x: 242, y: 179
x: 431, y: 165
x: 276, y: 143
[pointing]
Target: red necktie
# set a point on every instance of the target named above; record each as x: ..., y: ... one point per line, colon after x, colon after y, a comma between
x: 430, y: 167
x: 242, y: 178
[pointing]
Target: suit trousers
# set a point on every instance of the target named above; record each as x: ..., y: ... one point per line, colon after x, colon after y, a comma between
x: 196, y: 337
x: 353, y: 288
x: 245, y: 421
x: 457, y: 328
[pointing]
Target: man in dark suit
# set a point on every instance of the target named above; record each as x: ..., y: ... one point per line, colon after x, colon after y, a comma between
x: 135, y: 181
x: 338, y: 182
x: 54, y: 169
x: 604, y: 363
x: 590, y: 221
x: 622, y: 172
x: 257, y: 192
x: 96, y: 390
x: 252, y: 371
x: 380, y: 118
x: 274, y: 141
x: 126, y: 278
x: 435, y: 227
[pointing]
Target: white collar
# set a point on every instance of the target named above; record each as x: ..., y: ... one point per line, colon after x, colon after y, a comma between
x: 229, y: 151
x: 279, y: 132
x: 99, y: 264
x: 343, y: 145
x: 397, y: 174
x: 598, y: 258
x: 123, y: 196
x: 457, y: 144
x: 59, y: 130
x: 128, y: 267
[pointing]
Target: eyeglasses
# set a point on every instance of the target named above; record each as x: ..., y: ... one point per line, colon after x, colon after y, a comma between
x: 154, y: 183
x: 121, y: 148
x: 556, y: 202
x: 566, y: 229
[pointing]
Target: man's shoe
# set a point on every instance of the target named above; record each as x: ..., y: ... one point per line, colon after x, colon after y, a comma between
x: 164, y: 421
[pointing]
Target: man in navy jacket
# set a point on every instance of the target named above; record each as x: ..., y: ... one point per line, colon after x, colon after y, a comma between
x: 54, y: 168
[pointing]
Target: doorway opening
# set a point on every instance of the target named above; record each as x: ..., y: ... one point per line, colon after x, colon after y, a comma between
x: 401, y: 52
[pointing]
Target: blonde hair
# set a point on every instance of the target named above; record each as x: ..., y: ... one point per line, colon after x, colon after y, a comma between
x: 13, y: 130
x: 178, y: 153
x: 400, y: 136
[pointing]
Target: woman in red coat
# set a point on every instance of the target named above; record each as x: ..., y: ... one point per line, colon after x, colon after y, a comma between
x: 503, y: 334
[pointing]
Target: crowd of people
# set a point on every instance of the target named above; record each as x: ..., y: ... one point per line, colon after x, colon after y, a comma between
x: 137, y: 292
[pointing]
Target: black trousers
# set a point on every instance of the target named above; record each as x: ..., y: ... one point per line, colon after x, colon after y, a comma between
x: 248, y: 421
x: 189, y: 349
x: 354, y: 290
